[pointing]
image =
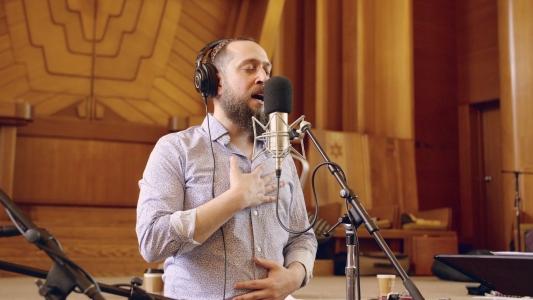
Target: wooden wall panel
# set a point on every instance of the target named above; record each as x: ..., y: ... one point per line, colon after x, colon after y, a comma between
x: 110, y: 63
x: 435, y: 117
x: 296, y: 60
x: 270, y: 24
x: 363, y: 86
x: 477, y: 50
x: 343, y: 73
x: 86, y: 172
x: 478, y: 74
x: 101, y: 240
x: 392, y: 171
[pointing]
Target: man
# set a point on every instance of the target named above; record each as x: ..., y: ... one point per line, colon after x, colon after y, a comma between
x: 217, y: 228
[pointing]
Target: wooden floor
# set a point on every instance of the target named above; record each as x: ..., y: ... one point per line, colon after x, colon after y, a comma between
x: 328, y: 287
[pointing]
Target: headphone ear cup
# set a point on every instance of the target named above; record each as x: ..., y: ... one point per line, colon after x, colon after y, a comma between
x: 206, y: 80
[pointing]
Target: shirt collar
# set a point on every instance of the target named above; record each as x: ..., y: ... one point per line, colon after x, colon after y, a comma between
x: 218, y: 131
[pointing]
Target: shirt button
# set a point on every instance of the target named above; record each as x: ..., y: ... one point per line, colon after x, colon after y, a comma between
x: 255, y: 212
x: 258, y: 249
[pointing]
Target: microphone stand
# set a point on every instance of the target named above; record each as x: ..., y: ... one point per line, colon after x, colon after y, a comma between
x: 517, y: 205
x: 517, y: 201
x: 64, y: 275
x: 361, y: 216
x: 352, y: 263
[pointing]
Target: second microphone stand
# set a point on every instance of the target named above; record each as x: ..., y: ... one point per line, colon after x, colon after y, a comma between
x: 359, y: 213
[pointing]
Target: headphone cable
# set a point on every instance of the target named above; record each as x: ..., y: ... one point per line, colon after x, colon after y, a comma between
x: 213, y: 191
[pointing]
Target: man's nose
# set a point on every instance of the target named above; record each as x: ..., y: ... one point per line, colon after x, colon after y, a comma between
x: 262, y: 76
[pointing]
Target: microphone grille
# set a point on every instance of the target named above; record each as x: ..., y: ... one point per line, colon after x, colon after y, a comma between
x: 278, y: 95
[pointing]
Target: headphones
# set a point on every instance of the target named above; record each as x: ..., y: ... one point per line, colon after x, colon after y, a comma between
x: 205, y: 73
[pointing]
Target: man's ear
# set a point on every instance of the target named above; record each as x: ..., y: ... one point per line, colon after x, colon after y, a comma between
x: 220, y: 88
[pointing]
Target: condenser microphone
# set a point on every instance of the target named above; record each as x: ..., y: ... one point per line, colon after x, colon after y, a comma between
x: 277, y: 104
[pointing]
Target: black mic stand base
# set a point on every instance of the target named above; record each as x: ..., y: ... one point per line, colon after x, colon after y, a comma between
x: 135, y: 293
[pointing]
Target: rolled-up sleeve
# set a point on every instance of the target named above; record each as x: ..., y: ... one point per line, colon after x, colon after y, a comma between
x: 300, y: 248
x: 163, y: 228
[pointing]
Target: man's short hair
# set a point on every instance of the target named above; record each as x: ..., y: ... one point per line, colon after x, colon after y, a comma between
x: 215, y: 52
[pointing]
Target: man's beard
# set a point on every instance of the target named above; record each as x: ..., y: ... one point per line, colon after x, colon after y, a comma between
x: 238, y: 111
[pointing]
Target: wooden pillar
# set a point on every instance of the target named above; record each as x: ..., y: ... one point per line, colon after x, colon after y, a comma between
x: 8, y: 136
x: 385, y: 68
x: 516, y: 46
x: 11, y: 116
x: 328, y: 65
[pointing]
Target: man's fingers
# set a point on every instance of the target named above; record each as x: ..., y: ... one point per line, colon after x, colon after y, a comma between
x: 269, y: 199
x: 266, y: 263
x: 252, y: 284
x: 270, y: 190
x: 258, y: 170
x: 260, y: 294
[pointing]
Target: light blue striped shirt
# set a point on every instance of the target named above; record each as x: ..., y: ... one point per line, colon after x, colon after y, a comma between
x: 177, y: 179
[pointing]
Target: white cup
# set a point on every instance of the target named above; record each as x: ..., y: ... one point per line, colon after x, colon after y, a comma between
x: 385, y: 284
x: 153, y: 281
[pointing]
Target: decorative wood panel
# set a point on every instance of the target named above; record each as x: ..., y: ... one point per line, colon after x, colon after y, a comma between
x: 129, y: 60
x: 101, y: 240
x: 350, y: 151
x: 380, y: 170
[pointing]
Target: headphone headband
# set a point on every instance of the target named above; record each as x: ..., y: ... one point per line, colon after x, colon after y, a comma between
x: 208, y: 53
